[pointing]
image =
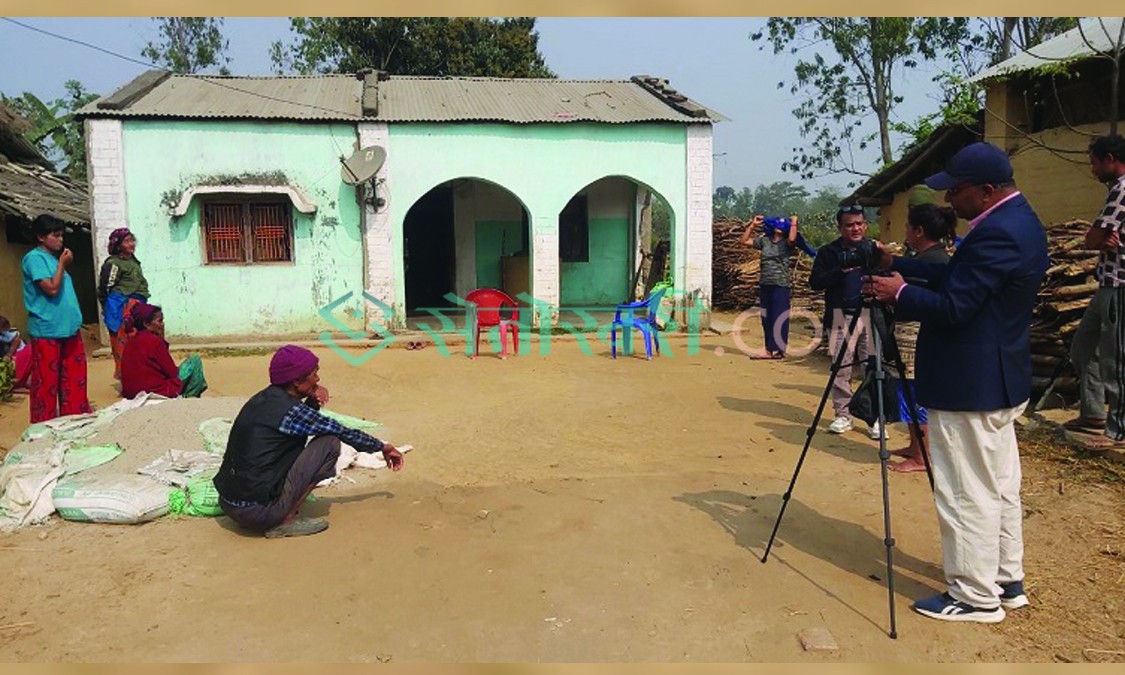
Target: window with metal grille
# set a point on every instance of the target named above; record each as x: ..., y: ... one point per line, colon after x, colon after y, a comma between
x: 247, y: 232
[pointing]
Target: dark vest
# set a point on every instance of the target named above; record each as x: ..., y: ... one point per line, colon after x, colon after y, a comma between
x: 258, y: 455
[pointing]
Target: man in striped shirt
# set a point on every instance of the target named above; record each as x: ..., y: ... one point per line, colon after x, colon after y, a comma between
x: 270, y: 466
x: 1098, y: 346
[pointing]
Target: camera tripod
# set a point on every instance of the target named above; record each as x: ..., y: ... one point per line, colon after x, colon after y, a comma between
x: 878, y: 362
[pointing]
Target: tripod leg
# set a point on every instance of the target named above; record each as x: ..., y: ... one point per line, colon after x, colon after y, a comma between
x: 908, y: 395
x: 884, y: 456
x: 836, y: 364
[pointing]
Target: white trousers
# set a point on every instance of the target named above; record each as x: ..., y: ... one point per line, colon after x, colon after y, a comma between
x: 977, y: 490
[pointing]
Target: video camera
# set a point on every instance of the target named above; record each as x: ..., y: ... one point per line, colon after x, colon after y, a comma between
x: 865, y: 256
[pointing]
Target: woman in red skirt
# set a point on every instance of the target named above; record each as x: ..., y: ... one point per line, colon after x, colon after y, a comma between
x: 58, y: 358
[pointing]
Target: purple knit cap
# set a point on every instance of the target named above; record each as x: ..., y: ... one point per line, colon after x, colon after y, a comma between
x: 142, y: 313
x: 115, y: 239
x: 291, y: 363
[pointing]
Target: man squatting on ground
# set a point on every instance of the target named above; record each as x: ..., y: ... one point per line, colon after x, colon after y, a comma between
x: 268, y: 469
x: 973, y: 373
x: 1096, y: 350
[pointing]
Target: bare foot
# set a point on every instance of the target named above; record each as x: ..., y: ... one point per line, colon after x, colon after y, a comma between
x: 904, y: 452
x: 909, y: 466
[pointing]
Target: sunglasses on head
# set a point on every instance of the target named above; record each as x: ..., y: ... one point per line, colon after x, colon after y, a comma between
x: 851, y: 208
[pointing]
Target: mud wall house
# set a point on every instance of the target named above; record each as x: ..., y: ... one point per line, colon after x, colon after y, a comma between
x: 29, y: 187
x: 898, y: 186
x: 1044, y: 106
x: 234, y: 188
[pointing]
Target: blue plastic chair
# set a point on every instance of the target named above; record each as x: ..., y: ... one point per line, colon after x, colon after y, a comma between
x: 626, y: 318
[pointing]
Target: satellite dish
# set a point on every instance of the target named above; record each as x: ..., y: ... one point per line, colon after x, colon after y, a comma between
x: 363, y: 165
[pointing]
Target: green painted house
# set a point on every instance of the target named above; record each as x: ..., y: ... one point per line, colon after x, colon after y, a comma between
x: 247, y: 223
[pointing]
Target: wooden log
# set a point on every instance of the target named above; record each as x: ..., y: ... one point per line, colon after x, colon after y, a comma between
x: 1085, y: 289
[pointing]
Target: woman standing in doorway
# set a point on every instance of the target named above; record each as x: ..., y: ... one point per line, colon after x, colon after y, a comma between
x: 58, y: 357
x: 121, y: 285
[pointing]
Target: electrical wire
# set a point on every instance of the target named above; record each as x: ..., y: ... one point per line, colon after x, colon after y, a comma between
x: 202, y: 78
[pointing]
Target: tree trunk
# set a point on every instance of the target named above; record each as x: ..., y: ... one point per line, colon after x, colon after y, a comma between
x: 1115, y: 78
x: 1006, y: 38
x: 881, y: 83
x: 645, y: 235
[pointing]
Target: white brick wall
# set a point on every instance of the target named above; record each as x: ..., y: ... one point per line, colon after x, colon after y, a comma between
x: 697, y: 275
x: 379, y: 258
x: 105, y: 166
x: 545, y: 264
x: 109, y: 204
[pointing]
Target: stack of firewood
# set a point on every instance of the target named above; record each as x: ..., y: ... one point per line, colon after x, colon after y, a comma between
x: 736, y: 271
x: 1064, y: 295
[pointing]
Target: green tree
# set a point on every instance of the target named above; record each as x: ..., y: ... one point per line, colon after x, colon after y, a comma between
x: 817, y: 212
x: 730, y: 203
x: 189, y: 44
x: 850, y: 75
x: 782, y: 198
x: 439, y: 46
x: 54, y: 131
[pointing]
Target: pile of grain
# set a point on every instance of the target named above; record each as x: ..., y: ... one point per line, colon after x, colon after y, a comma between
x: 146, y: 433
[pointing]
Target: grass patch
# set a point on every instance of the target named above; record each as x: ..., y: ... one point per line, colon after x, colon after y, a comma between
x: 1046, y: 442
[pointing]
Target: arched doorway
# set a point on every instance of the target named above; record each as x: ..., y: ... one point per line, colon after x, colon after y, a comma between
x: 463, y: 234
x: 609, y: 234
x: 428, y: 249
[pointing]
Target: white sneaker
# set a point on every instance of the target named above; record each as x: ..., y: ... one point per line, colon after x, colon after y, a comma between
x: 841, y: 425
x: 873, y: 432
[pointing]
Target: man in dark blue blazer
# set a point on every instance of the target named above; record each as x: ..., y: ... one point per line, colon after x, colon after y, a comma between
x: 973, y: 365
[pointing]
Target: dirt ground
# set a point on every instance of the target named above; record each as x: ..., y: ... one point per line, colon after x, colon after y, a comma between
x: 568, y: 507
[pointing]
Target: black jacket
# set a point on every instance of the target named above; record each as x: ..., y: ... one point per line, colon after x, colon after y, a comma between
x: 841, y: 291
x: 258, y: 455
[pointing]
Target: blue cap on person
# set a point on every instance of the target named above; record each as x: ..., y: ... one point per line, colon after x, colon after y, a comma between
x: 976, y: 164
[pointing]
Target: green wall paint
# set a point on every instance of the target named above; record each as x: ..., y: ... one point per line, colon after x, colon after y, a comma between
x: 495, y: 239
x: 543, y: 165
x: 164, y: 158
x: 604, y: 280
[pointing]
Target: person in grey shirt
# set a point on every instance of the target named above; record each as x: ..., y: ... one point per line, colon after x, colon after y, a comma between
x: 778, y: 248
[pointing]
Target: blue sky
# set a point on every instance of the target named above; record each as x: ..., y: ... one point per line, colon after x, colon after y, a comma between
x: 712, y: 60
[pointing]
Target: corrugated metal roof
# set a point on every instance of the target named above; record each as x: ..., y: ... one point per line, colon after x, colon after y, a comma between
x: 399, y: 99
x: 1099, y: 32
x: 327, y: 97
x: 417, y: 99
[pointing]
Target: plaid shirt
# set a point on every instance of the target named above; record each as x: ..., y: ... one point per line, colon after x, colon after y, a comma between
x: 1111, y: 264
x: 304, y: 420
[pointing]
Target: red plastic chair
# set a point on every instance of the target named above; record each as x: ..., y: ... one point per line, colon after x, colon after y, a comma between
x: 486, y: 311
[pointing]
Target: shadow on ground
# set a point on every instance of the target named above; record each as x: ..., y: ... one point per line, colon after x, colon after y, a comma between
x: 793, y: 424
x: 749, y: 519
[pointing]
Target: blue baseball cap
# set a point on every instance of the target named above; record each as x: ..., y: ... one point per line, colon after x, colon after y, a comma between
x: 978, y: 164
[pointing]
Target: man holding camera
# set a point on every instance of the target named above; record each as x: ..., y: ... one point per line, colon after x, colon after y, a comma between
x: 973, y: 365
x: 837, y: 271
